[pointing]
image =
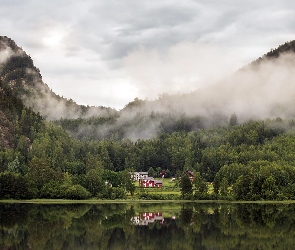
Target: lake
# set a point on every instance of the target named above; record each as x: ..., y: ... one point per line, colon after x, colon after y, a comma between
x: 147, y: 226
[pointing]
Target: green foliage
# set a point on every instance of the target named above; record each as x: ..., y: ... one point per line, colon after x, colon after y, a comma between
x: 52, y: 190
x: 186, y: 187
x: 95, y: 183
x: 113, y: 193
x: 201, y: 187
x: 255, y: 159
x: 14, y: 186
x: 76, y: 192
x: 40, y: 173
x: 224, y: 187
x: 255, y: 149
x: 14, y: 167
x: 241, y: 188
x: 151, y: 172
x: 167, y: 173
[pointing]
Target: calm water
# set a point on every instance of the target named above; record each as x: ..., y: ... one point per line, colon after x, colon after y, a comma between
x: 143, y: 226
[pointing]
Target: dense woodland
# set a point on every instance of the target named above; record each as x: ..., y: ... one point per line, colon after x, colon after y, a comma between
x: 250, y: 160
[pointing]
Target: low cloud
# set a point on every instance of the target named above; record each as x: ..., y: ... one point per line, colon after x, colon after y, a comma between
x: 182, y: 68
x: 187, y: 80
x: 258, y: 91
x: 4, y: 55
x: 94, y: 38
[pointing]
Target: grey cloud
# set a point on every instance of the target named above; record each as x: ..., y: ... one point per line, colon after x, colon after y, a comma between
x: 168, y: 16
x: 99, y: 35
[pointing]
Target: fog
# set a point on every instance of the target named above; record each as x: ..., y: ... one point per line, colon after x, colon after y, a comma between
x: 182, y: 68
x: 37, y: 95
x: 187, y: 81
x: 259, y: 90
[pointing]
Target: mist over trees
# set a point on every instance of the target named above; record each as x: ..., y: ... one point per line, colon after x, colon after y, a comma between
x: 246, y: 155
x: 18, y: 72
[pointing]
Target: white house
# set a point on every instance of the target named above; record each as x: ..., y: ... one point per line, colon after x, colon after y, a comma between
x: 139, y: 175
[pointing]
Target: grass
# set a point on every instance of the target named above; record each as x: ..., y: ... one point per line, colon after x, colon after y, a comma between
x: 168, y: 183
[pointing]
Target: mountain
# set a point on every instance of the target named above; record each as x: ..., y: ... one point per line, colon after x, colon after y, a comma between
x: 263, y: 89
x: 286, y: 48
x: 256, y: 158
x: 18, y: 72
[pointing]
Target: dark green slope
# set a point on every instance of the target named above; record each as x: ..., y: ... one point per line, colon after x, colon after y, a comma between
x: 17, y: 122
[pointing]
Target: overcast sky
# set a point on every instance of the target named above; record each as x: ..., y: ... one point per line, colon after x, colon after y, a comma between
x: 109, y: 52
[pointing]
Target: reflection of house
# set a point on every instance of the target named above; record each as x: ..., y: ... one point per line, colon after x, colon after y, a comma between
x: 150, y: 182
x: 139, y: 175
x: 143, y: 219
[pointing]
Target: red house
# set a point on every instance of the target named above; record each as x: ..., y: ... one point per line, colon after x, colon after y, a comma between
x: 150, y: 182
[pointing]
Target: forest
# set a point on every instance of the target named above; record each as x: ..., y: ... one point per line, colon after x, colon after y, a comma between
x: 251, y: 161
x: 43, y: 158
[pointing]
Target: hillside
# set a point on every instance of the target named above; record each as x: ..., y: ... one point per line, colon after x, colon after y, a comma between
x: 18, y: 72
x: 261, y: 90
x: 18, y: 124
x: 206, y: 132
x: 286, y: 48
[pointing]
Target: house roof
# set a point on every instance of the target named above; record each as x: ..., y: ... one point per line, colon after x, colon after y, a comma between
x: 148, y: 179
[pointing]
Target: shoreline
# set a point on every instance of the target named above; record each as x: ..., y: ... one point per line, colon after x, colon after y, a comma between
x: 62, y: 201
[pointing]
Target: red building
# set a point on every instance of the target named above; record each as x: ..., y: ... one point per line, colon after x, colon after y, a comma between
x: 150, y: 182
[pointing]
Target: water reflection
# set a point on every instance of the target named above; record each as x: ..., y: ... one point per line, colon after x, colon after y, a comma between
x: 147, y: 226
x: 143, y: 219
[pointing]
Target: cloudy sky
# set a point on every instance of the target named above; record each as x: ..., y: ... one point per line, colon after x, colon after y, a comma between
x: 109, y: 52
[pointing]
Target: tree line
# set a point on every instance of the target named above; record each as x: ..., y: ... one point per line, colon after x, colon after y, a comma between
x: 250, y: 161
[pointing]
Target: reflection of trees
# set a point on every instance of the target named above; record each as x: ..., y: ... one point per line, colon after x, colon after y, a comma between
x: 248, y: 226
x: 62, y: 226
x: 186, y: 214
x: 12, y: 229
x: 197, y: 226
